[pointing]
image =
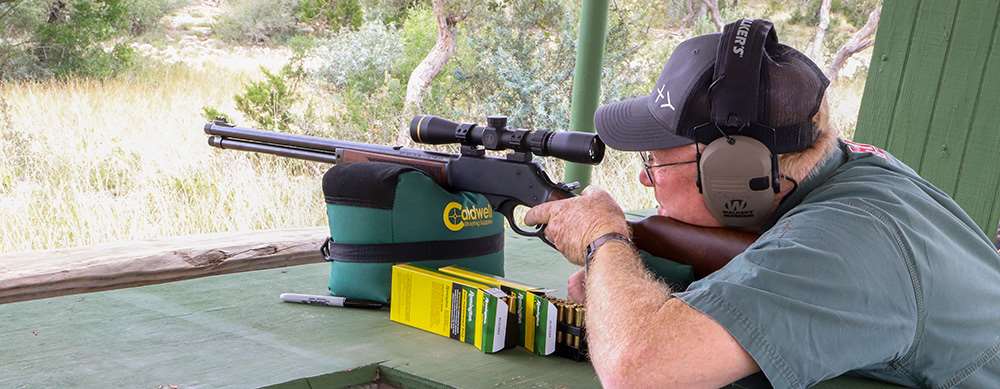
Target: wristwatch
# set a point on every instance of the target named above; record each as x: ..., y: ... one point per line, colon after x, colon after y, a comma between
x: 600, y: 241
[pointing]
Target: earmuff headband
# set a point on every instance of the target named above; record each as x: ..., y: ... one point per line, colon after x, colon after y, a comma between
x: 739, y: 100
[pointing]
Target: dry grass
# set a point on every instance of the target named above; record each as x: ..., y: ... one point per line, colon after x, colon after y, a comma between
x: 91, y: 161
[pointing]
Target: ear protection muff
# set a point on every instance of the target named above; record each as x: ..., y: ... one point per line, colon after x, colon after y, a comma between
x: 737, y: 176
x: 738, y: 170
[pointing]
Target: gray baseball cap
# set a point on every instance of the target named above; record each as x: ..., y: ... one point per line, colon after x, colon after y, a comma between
x: 792, y: 88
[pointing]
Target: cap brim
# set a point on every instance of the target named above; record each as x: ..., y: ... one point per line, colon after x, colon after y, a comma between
x: 628, y: 125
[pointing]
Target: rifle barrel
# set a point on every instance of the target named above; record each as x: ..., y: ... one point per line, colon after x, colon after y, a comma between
x: 309, y: 143
x: 290, y: 152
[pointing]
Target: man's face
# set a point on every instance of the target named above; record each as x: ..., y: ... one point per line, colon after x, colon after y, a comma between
x: 674, y: 185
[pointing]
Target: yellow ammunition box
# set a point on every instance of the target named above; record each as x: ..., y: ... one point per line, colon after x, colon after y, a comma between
x: 530, y: 306
x: 454, y: 307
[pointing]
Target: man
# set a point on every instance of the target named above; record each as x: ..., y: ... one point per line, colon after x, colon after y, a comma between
x: 863, y: 267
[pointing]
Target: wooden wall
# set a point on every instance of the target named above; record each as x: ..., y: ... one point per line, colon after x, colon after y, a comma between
x: 933, y: 97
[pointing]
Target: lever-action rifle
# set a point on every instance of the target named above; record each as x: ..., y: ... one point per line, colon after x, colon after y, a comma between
x: 507, y: 182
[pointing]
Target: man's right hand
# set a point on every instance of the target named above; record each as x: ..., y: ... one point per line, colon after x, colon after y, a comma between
x: 576, y: 287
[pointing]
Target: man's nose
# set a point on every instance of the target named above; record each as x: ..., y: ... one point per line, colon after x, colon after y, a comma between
x: 644, y: 178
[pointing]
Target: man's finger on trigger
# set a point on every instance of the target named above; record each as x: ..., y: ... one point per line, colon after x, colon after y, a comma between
x: 538, y: 214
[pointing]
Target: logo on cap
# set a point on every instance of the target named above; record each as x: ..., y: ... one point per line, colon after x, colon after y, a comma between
x: 659, y: 95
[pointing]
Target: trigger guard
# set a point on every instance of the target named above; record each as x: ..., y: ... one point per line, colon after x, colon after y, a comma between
x: 508, y: 212
x: 513, y: 225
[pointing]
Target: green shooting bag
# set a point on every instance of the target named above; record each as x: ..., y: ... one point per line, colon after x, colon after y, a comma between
x: 381, y: 214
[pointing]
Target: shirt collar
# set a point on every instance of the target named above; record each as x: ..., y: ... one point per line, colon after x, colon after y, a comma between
x: 826, y: 169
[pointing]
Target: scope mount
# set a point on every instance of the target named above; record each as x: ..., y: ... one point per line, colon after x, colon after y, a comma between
x: 494, y: 133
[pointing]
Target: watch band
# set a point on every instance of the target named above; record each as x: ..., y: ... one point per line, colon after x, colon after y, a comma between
x: 600, y: 241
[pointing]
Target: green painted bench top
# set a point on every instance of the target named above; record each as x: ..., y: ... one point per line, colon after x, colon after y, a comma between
x: 232, y: 331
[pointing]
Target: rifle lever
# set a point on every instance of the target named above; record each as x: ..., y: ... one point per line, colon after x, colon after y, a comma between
x: 507, y: 209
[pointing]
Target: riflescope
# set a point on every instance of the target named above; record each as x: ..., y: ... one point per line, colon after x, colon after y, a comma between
x: 580, y: 147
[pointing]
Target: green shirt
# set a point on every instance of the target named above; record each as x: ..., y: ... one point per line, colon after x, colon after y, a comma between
x: 868, y: 269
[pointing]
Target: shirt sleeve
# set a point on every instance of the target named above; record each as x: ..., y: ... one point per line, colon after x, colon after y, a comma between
x: 823, y: 292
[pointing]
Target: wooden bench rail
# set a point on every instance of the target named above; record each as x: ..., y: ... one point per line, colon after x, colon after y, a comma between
x: 41, y: 274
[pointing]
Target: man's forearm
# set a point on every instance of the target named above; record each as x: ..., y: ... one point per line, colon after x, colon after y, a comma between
x: 622, y: 299
x: 641, y: 337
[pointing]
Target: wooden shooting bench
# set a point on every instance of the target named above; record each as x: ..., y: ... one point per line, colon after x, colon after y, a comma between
x: 930, y: 99
x: 231, y: 330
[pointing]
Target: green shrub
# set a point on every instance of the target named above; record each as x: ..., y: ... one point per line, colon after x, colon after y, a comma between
x: 144, y: 15
x: 391, y: 12
x: 258, y: 22
x: 334, y: 14
x: 212, y: 114
x: 72, y: 38
x: 69, y: 44
x: 419, y: 33
x: 359, y: 58
x: 268, y: 102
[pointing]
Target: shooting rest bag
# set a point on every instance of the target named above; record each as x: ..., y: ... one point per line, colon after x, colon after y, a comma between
x: 384, y: 213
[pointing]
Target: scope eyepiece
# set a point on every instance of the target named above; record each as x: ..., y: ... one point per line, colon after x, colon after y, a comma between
x: 572, y: 146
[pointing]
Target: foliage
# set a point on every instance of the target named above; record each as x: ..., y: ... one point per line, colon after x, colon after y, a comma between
x: 854, y: 12
x: 144, y: 15
x: 258, y: 22
x: 522, y: 66
x: 65, y: 38
x: 418, y: 35
x: 334, y: 14
x: 359, y: 58
x: 212, y: 114
x: 269, y: 102
x: 391, y: 12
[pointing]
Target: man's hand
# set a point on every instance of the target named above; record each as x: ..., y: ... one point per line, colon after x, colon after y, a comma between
x: 575, y: 223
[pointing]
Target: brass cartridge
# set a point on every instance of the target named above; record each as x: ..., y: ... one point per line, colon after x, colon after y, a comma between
x: 577, y: 341
x: 561, y: 316
x: 570, y: 320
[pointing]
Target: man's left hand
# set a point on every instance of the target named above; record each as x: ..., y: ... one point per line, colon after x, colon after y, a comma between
x: 575, y: 223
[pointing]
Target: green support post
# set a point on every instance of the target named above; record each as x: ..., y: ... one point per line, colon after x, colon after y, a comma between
x: 587, y: 77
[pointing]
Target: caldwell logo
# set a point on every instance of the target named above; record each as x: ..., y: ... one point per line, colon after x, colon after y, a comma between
x: 456, y: 217
x: 736, y: 208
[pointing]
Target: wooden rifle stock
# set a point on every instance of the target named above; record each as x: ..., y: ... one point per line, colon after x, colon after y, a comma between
x: 705, y: 249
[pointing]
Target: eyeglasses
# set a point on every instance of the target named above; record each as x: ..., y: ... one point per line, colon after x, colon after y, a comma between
x: 648, y: 165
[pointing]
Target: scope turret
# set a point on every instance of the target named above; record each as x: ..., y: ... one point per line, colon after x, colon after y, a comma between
x: 572, y: 146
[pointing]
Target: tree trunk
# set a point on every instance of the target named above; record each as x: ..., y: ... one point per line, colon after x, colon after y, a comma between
x: 816, y: 51
x: 713, y: 6
x: 689, y: 12
x: 432, y: 64
x: 695, y: 12
x: 862, y: 39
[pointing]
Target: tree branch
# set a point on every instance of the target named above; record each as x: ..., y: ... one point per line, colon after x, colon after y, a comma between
x: 429, y: 68
x: 713, y: 6
x: 816, y: 50
x: 862, y: 39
